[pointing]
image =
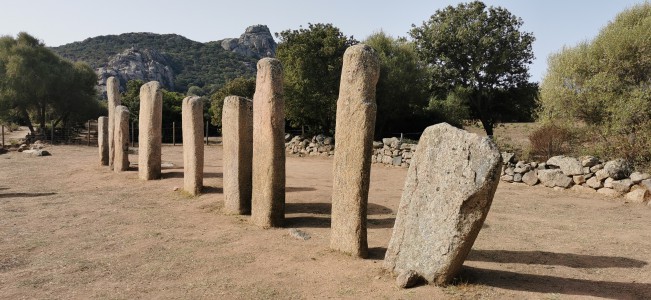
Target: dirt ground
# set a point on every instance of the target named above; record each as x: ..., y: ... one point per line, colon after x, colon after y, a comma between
x: 71, y: 229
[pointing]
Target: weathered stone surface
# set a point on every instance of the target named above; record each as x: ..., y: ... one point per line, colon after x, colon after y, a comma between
x: 618, y: 169
x: 530, y: 178
x: 608, y: 192
x: 638, y: 196
x: 608, y: 183
x: 578, y: 179
x: 103, y: 140
x: 256, y: 42
x: 589, y: 161
x: 192, y: 121
x: 517, y: 177
x: 237, y: 141
x: 596, y: 168
x: 113, y: 93
x: 507, y: 157
x: 268, y: 193
x: 121, y: 136
x: 569, y: 165
x: 448, y: 191
x: 601, y: 174
x: 408, y: 279
x: 622, y: 186
x: 389, y: 141
x: 646, y: 184
x: 355, y: 126
x: 553, y: 178
x: 594, y: 183
x: 638, y: 177
x: 136, y: 64
x: 150, y: 131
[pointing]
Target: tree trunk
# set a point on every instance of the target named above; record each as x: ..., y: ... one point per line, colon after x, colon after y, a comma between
x: 29, y: 122
x: 488, y: 126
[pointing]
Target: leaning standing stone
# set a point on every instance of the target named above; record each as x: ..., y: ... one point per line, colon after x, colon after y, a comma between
x: 448, y: 191
x: 113, y: 94
x: 121, y: 162
x: 268, y: 194
x: 102, y: 140
x: 150, y: 135
x: 192, y: 117
x: 354, y: 130
x: 237, y: 141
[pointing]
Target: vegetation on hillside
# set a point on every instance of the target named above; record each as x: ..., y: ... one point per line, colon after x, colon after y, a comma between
x: 194, y: 64
x: 601, y: 88
x: 37, y: 86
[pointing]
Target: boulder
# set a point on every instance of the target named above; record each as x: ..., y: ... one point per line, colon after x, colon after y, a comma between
x: 509, y: 171
x: 447, y: 194
x: 388, y: 141
x: 553, y: 178
x: 596, y: 168
x: 408, y: 279
x: 569, y: 165
x: 622, y: 186
x: 618, y: 169
x: 517, y: 177
x: 530, y: 178
x: 638, y: 196
x: 637, y: 177
x: 589, y: 161
x: 522, y: 169
x: 256, y: 42
x: 594, y: 183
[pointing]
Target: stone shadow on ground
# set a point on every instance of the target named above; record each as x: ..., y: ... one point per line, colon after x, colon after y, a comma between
x: 211, y: 190
x: 25, y: 195
x: 290, y: 189
x: 324, y: 222
x: 376, y: 253
x: 179, y: 174
x: 326, y: 208
x: 557, y: 259
x: 550, y: 284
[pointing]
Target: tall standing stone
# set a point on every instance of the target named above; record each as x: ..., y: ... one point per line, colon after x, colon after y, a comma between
x: 447, y: 194
x: 150, y: 127
x: 113, y: 94
x: 121, y: 162
x: 268, y: 193
x: 192, y: 114
x: 237, y: 141
x: 103, y: 140
x: 354, y: 130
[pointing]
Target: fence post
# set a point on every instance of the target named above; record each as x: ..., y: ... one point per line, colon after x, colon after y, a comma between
x: 3, y: 136
x: 88, y: 134
x: 173, y: 133
x: 133, y: 140
x: 52, y: 132
x: 206, y: 133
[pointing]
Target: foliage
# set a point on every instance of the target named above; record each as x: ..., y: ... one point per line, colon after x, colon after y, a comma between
x: 477, y: 48
x: 172, y: 103
x: 549, y: 140
x: 402, y: 88
x: 604, y: 84
x: 241, y: 86
x: 36, y: 83
x: 312, y: 60
x: 453, y: 109
x: 193, y: 63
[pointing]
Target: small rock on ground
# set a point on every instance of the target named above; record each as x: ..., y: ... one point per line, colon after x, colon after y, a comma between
x: 408, y: 279
x: 299, y: 234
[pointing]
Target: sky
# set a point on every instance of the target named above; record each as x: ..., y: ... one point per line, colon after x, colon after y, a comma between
x: 554, y: 23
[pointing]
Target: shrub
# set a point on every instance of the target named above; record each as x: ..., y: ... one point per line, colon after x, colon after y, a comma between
x: 549, y: 140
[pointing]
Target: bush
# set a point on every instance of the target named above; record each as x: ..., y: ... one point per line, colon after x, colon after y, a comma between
x: 548, y: 141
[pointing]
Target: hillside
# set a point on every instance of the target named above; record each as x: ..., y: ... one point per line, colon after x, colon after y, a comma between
x: 174, y: 60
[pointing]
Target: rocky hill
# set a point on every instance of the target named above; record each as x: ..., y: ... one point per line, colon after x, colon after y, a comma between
x: 171, y: 59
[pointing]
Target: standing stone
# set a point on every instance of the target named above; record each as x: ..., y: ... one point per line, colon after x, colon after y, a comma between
x: 121, y: 136
x: 355, y: 126
x: 103, y: 140
x: 192, y: 120
x: 268, y: 193
x: 237, y: 141
x: 448, y: 191
x: 113, y: 94
x: 150, y: 127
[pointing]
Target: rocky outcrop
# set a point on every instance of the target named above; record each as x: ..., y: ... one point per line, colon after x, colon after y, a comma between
x: 136, y: 64
x: 256, y: 42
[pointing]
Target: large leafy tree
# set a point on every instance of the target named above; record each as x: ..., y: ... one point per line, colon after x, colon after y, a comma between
x: 478, y: 49
x: 35, y: 83
x: 312, y: 60
x: 402, y: 88
x: 604, y: 86
x: 241, y: 86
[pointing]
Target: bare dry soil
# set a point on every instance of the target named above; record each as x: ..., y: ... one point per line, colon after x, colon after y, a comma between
x: 71, y: 229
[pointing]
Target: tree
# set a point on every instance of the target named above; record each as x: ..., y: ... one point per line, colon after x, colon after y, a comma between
x: 402, y: 87
x: 603, y: 85
x: 35, y: 82
x: 241, y: 86
x: 477, y: 48
x: 312, y: 60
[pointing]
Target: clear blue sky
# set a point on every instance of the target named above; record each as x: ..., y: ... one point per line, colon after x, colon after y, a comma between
x: 554, y: 23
